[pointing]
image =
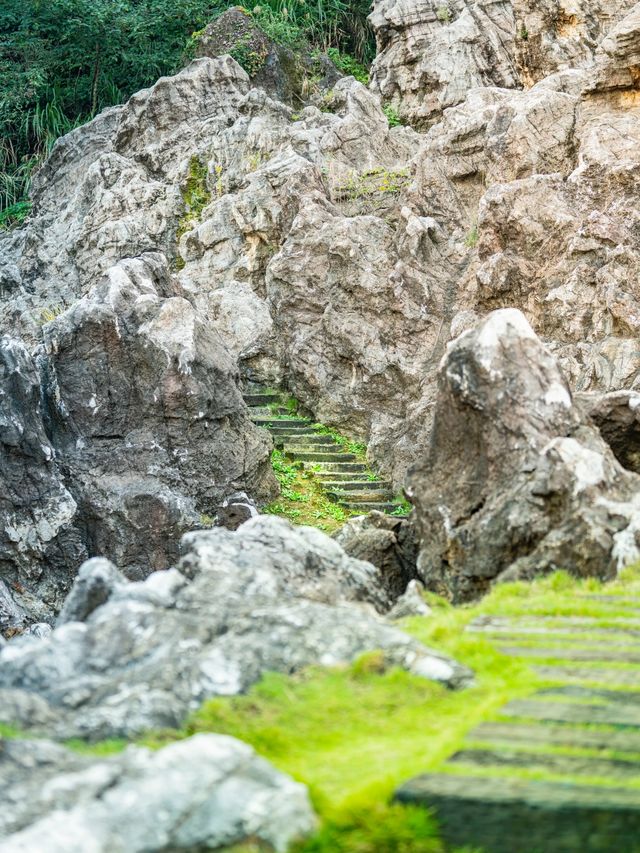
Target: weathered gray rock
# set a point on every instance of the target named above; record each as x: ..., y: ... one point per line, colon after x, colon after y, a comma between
x: 234, y: 510
x: 98, y: 579
x: 431, y: 53
x: 517, y: 482
x: 390, y: 544
x: 617, y: 416
x: 269, y: 597
x: 410, y: 603
x: 206, y: 792
x: 148, y: 416
x: 40, y: 545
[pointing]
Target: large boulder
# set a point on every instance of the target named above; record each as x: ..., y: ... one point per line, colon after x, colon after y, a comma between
x: 206, y: 792
x: 269, y: 597
x: 518, y: 482
x: 289, y: 75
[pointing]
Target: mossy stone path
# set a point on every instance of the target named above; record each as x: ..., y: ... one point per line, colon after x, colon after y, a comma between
x: 558, y: 771
x: 344, y: 475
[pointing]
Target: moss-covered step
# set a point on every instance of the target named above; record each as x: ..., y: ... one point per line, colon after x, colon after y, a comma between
x: 338, y: 464
x: 511, y: 815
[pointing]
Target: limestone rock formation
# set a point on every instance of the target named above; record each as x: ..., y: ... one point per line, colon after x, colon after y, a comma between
x: 431, y: 53
x: 517, y: 482
x: 617, y: 416
x: 291, y: 76
x: 269, y: 597
x: 40, y: 546
x: 390, y: 544
x: 205, y: 792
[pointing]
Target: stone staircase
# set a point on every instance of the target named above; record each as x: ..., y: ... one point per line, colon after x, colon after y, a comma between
x: 558, y: 771
x: 345, y: 478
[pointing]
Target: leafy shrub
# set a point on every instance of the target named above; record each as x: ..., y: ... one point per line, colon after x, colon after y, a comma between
x: 348, y: 65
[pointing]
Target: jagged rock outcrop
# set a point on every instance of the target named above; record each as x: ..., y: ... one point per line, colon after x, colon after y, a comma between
x: 617, y: 416
x: 130, y: 425
x: 40, y: 546
x: 390, y: 544
x: 291, y: 76
x: 269, y: 597
x: 431, y: 53
x: 517, y: 482
x: 206, y: 792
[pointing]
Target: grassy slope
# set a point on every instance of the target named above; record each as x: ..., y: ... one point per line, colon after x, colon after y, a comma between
x: 352, y: 734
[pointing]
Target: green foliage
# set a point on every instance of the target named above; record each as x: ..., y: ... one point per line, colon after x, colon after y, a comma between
x: 196, y: 196
x: 471, y: 240
x: 15, y: 214
x: 302, y: 500
x: 349, y: 65
x: 524, y: 33
x: 392, y: 115
x: 403, y: 506
x: 351, y: 446
x: 377, y: 829
x: 247, y: 57
x: 443, y: 14
x: 62, y: 61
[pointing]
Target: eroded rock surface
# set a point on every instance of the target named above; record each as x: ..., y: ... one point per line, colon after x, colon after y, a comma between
x: 517, y: 482
x: 205, y: 792
x: 269, y: 597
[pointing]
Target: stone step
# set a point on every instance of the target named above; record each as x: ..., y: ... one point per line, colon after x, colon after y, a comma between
x: 278, y: 430
x: 317, y: 456
x: 350, y: 485
x: 271, y: 422
x: 525, y: 816
x: 594, y: 653
x: 368, y: 506
x: 608, y: 714
x: 308, y: 439
x: 264, y: 399
x: 545, y: 734
x: 598, y: 674
x: 549, y: 763
x: 337, y: 468
x: 372, y: 496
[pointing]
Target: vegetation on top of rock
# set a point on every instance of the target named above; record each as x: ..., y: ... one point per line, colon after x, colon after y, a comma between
x: 64, y: 61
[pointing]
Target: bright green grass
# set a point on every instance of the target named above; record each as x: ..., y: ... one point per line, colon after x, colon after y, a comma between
x: 354, y: 733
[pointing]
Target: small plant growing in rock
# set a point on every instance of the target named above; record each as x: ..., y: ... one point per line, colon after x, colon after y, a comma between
x: 443, y: 14
x: 471, y: 240
x: 392, y: 116
x: 524, y: 33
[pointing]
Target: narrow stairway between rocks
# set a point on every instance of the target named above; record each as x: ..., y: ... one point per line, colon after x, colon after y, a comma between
x: 557, y: 771
x: 344, y: 477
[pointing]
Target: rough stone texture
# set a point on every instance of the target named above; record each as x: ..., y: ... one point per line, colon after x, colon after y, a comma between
x: 131, y: 425
x: 290, y: 76
x: 205, y: 792
x: 517, y: 482
x: 390, y: 544
x: 269, y: 597
x: 97, y: 581
x: 234, y: 510
x: 617, y: 416
x: 40, y: 548
x: 431, y: 53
